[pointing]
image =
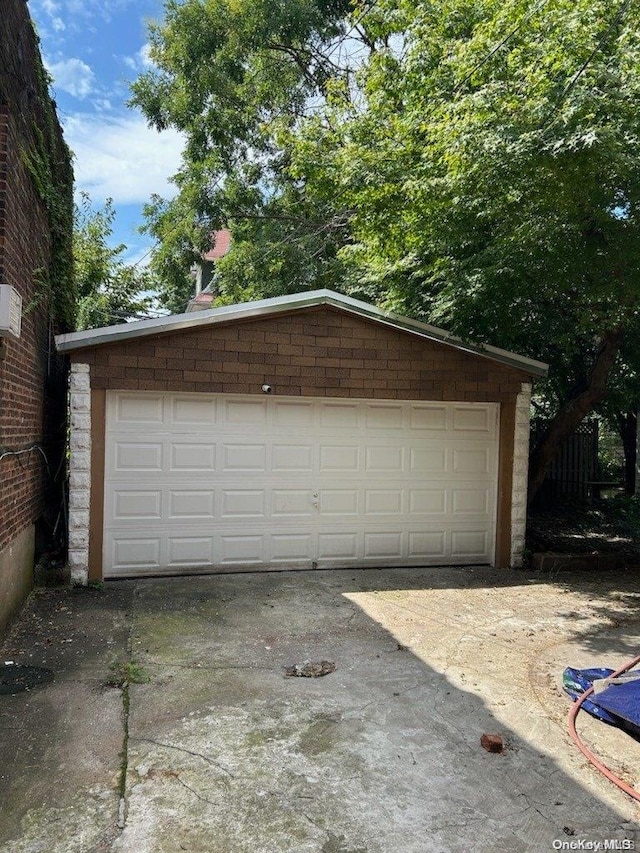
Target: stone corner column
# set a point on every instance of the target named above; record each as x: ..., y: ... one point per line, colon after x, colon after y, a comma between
x: 520, y: 475
x: 79, y: 472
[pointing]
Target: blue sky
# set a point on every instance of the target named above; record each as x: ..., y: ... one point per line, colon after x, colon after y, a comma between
x: 94, y: 49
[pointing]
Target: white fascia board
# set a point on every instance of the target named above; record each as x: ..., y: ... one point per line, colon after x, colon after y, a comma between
x: 280, y: 304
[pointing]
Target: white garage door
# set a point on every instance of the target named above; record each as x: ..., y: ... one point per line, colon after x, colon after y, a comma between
x: 198, y: 482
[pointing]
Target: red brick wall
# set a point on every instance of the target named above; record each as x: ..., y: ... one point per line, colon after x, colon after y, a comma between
x: 28, y: 364
x: 311, y: 352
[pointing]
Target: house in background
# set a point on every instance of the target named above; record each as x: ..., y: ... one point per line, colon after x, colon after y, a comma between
x: 36, y: 222
x: 203, y: 271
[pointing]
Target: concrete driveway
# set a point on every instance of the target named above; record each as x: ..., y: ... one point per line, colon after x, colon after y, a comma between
x: 212, y: 749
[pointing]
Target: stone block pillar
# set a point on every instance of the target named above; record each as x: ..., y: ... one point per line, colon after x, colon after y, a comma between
x: 520, y: 474
x: 79, y: 472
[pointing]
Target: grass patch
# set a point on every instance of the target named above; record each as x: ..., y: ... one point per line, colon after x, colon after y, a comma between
x: 127, y: 672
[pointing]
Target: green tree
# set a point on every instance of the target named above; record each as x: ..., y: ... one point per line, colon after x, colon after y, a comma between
x: 493, y: 177
x: 109, y: 290
x: 620, y: 407
x: 238, y: 79
x: 469, y: 162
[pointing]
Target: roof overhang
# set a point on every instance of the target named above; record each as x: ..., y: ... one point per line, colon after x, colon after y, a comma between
x: 286, y: 304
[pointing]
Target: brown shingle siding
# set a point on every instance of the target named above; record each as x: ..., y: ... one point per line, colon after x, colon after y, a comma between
x: 302, y: 353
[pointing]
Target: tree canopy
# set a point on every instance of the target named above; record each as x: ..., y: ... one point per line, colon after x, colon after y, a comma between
x: 238, y: 78
x: 108, y: 289
x: 469, y: 162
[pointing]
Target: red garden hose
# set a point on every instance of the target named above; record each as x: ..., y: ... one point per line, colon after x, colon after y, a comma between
x: 573, y: 713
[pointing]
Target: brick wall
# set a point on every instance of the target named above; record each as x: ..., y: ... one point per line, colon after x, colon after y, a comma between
x: 311, y: 352
x: 30, y: 408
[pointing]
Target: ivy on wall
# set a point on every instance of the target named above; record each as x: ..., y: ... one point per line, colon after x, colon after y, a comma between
x: 47, y: 159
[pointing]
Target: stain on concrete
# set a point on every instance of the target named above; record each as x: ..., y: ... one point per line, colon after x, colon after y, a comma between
x: 322, y: 735
x: 225, y: 754
x: 338, y: 844
x: 59, y: 753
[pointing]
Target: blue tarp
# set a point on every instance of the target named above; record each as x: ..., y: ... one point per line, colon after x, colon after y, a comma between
x: 618, y: 704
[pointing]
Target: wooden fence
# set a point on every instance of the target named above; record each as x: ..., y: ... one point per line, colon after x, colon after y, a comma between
x: 574, y: 470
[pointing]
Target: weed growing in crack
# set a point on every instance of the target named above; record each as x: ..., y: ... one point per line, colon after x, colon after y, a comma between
x: 126, y: 672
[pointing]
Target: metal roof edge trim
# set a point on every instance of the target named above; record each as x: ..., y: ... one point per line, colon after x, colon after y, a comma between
x: 407, y: 324
x: 192, y: 320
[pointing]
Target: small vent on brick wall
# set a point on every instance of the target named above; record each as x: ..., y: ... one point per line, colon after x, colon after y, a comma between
x: 10, y: 312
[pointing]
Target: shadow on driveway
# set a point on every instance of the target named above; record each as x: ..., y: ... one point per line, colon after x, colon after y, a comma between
x: 223, y: 753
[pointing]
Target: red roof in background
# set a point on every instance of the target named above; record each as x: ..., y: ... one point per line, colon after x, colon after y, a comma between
x: 220, y: 243
x: 203, y: 298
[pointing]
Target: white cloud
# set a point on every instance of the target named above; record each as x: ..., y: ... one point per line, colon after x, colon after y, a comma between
x: 141, y: 60
x: 92, y: 8
x: 102, y: 105
x: 50, y: 7
x: 144, y: 56
x: 75, y: 15
x: 72, y: 75
x: 122, y: 158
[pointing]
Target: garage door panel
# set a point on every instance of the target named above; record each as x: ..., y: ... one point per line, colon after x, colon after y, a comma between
x: 476, y: 501
x: 468, y: 543
x: 383, y: 502
x: 384, y: 458
x: 190, y: 551
x: 339, y: 502
x: 429, y: 545
x: 136, y: 552
x: 243, y: 503
x: 185, y: 504
x: 383, y: 544
x: 251, y: 413
x: 136, y: 456
x: 338, y: 545
x: 339, y: 457
x: 242, y: 549
x: 428, y: 418
x: 244, y: 457
x: 189, y: 411
x: 340, y: 416
x: 291, y: 503
x: 384, y: 417
x: 427, y: 502
x: 137, y: 504
x: 293, y: 457
x: 472, y: 418
x: 428, y: 460
x: 294, y: 414
x: 286, y: 547
x: 192, y: 456
x: 476, y: 461
x: 135, y: 411
x: 197, y: 482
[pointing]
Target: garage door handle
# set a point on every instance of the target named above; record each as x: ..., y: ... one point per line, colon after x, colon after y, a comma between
x: 315, y: 500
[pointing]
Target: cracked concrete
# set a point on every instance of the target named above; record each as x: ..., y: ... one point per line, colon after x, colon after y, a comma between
x: 223, y: 754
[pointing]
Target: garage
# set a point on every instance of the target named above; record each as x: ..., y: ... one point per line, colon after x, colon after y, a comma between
x: 204, y: 482
x: 309, y: 431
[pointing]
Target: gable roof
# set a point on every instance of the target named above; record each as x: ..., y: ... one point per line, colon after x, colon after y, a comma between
x: 285, y: 304
x: 220, y: 245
